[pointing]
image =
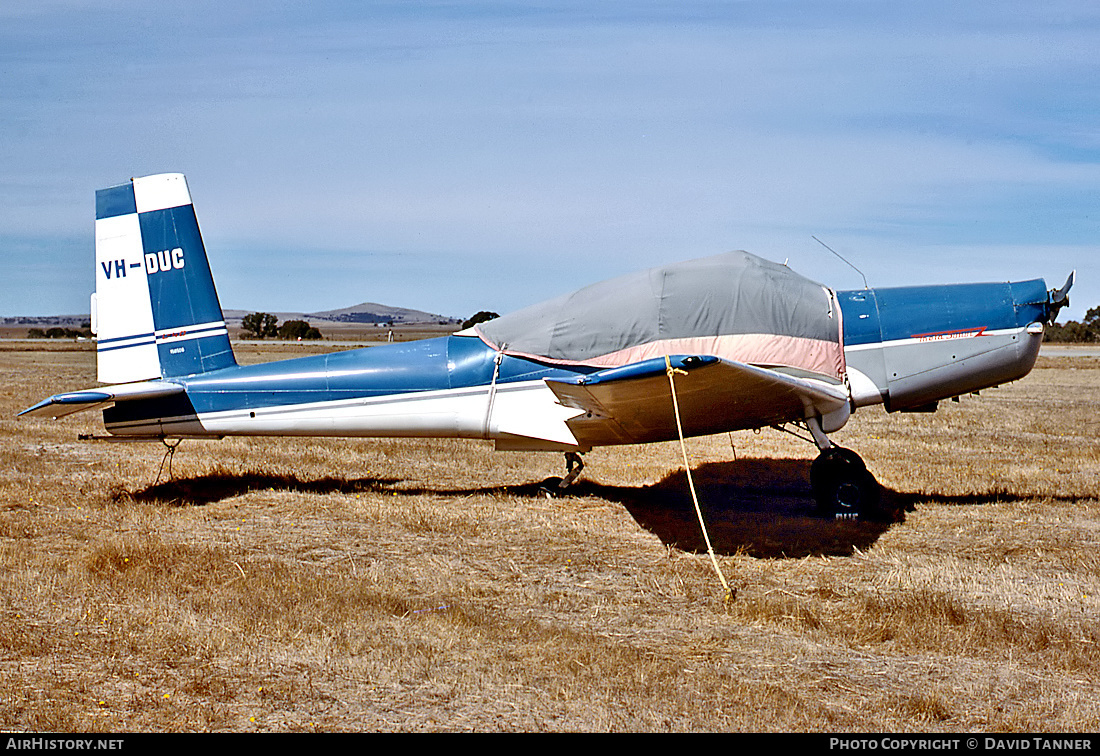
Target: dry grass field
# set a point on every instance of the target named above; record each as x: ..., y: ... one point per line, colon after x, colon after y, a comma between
x: 298, y: 585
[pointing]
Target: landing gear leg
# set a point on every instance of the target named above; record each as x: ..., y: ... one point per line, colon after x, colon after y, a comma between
x: 573, y: 467
x: 843, y: 487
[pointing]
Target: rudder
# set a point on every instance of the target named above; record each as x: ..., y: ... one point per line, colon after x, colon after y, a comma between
x: 155, y: 311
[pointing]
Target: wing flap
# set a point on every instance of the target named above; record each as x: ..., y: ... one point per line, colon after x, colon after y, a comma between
x: 60, y: 405
x: 533, y: 415
x: 633, y: 404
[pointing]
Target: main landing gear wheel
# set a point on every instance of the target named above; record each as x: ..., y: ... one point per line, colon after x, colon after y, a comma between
x: 843, y: 487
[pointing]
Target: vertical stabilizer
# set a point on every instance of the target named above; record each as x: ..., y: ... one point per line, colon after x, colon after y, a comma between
x: 156, y: 311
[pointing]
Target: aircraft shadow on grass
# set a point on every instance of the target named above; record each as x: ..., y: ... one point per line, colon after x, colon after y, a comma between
x: 759, y: 507
x: 208, y: 489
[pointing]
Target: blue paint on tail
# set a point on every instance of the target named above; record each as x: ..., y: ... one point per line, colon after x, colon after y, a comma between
x: 191, y: 332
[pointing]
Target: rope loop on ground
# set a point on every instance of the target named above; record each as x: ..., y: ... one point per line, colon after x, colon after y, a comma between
x: 168, y: 455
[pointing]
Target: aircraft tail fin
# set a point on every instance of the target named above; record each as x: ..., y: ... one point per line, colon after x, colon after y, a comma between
x: 155, y: 311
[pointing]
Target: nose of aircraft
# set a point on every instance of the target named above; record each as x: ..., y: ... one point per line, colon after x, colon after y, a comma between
x: 1035, y: 305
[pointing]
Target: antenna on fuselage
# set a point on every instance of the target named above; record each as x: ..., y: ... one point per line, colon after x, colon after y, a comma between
x: 857, y: 270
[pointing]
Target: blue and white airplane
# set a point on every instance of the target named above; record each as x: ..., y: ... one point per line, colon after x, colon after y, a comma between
x: 752, y: 344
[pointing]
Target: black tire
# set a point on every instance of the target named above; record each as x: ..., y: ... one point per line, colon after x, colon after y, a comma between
x: 842, y: 486
x: 551, y: 488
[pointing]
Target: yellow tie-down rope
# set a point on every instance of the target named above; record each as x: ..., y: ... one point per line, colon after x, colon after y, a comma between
x: 691, y: 484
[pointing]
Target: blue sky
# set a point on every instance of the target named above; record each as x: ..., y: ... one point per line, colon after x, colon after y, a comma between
x: 459, y: 156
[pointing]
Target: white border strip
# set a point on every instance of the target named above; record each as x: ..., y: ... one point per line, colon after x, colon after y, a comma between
x: 972, y: 333
x: 191, y: 332
x: 161, y: 192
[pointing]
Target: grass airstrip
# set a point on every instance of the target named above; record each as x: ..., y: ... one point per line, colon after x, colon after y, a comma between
x: 402, y: 584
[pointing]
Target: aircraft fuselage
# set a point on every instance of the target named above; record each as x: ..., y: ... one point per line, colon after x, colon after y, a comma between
x: 904, y: 347
x: 911, y: 346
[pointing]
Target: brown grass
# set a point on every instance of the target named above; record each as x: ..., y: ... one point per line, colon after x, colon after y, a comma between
x: 302, y: 584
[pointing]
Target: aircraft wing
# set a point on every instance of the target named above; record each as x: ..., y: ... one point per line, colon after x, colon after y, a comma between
x: 633, y: 403
x: 60, y: 405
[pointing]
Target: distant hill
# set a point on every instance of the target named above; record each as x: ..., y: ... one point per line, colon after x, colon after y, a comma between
x: 372, y: 312
x: 367, y: 312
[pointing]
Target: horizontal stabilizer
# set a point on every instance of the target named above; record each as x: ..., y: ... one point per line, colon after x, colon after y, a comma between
x: 60, y: 405
x: 635, y: 403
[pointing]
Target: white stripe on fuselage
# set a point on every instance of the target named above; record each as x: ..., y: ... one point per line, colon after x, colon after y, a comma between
x: 528, y: 409
x: 971, y: 333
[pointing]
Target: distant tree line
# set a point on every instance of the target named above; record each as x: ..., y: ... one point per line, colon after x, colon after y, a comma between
x: 480, y: 317
x: 1087, y: 330
x: 261, y: 325
x: 57, y: 332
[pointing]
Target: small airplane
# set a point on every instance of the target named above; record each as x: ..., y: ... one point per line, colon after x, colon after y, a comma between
x: 752, y: 344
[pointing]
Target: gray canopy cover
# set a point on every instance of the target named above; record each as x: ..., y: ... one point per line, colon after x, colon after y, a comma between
x: 736, y: 306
